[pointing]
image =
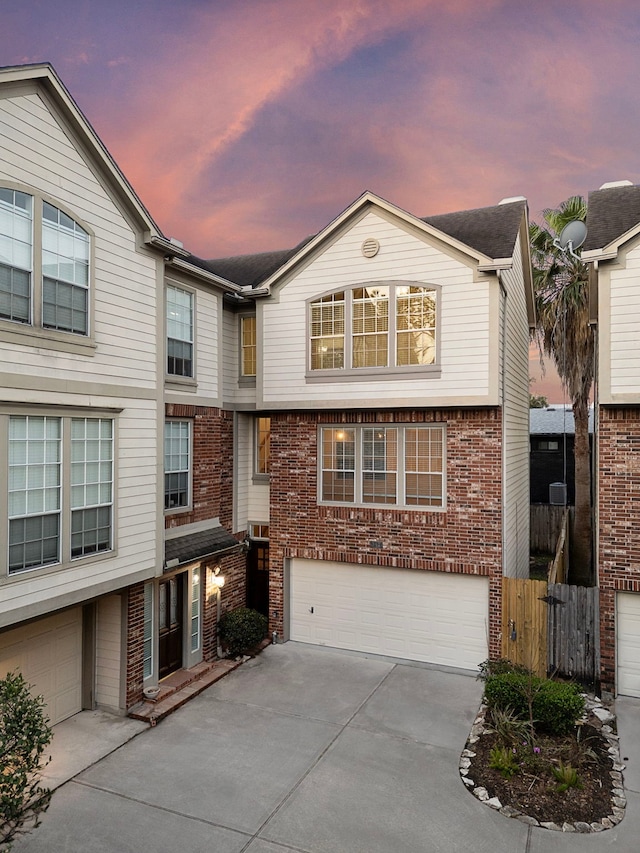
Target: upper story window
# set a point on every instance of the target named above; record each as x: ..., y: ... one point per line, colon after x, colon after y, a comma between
x: 65, y: 272
x: 177, y: 465
x: 58, y: 510
x: 382, y: 465
x: 16, y: 229
x: 180, y: 305
x: 248, y: 346
x: 50, y: 291
x: 374, y: 327
x: 263, y: 446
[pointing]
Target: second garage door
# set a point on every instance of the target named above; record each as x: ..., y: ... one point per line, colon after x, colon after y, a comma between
x: 628, y: 644
x: 48, y: 653
x: 418, y: 615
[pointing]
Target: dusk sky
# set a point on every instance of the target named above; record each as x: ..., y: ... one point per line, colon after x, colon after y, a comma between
x: 246, y: 125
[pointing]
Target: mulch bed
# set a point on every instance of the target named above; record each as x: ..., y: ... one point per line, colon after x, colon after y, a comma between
x: 533, y: 790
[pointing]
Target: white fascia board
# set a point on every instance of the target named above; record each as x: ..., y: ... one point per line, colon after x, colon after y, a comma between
x: 369, y: 198
x: 495, y: 265
x: 209, y: 277
x: 599, y: 255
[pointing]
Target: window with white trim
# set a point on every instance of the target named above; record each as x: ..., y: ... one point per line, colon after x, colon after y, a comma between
x: 177, y: 465
x: 398, y: 465
x: 377, y: 326
x: 54, y: 295
x: 195, y: 610
x: 49, y: 523
x: 263, y: 445
x: 147, y: 654
x: 248, y: 346
x: 180, y: 305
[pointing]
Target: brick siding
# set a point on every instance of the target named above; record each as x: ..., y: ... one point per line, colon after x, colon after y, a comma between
x: 465, y: 539
x: 618, y: 528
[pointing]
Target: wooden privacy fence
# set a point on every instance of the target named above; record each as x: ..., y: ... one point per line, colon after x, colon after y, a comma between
x: 545, y: 523
x: 551, y: 628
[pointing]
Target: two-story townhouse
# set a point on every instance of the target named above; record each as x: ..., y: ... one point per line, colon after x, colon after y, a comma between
x: 612, y: 248
x: 96, y: 599
x: 382, y: 425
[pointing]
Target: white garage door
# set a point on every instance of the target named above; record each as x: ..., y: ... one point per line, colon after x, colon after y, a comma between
x: 417, y: 615
x: 48, y: 653
x: 628, y: 642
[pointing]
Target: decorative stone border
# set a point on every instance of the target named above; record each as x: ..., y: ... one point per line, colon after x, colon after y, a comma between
x: 593, y: 706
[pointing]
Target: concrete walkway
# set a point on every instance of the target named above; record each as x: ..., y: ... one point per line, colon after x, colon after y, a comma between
x: 309, y: 750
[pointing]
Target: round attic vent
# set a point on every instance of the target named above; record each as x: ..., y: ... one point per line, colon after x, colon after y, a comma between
x: 370, y: 247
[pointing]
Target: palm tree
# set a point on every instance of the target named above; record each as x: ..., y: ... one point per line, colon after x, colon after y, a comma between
x: 561, y: 285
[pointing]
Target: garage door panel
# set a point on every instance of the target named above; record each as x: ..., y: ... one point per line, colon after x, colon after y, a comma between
x: 427, y: 616
x: 48, y: 653
x: 628, y: 644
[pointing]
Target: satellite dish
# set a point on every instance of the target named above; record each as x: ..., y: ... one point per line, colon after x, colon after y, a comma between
x: 573, y: 235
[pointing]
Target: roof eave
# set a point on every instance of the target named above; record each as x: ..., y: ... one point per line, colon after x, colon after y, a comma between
x: 46, y: 75
x: 369, y: 198
x: 209, y: 277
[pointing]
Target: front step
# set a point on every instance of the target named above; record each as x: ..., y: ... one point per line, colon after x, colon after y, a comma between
x: 179, y: 687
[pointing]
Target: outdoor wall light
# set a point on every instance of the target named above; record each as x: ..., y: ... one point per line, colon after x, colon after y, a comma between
x: 217, y: 578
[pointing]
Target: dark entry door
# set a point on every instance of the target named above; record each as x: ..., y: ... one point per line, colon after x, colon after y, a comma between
x: 258, y: 577
x: 170, y: 624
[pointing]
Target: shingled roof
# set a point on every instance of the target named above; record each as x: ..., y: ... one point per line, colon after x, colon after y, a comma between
x: 198, y: 546
x: 611, y: 212
x: 250, y: 270
x: 490, y: 230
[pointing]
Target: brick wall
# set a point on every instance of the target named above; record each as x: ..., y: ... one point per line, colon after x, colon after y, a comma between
x: 212, y: 464
x: 465, y: 539
x: 618, y: 522
x: 233, y: 594
x: 135, y: 644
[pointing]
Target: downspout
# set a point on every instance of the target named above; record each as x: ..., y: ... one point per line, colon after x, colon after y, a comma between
x: 503, y: 358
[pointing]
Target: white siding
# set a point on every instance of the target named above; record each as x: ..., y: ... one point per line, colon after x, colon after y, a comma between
x: 619, y: 309
x: 516, y: 423
x: 108, y: 652
x: 465, y: 347
x: 37, y: 154
x: 235, y: 392
x: 252, y: 497
x: 243, y: 466
x: 136, y: 517
x: 41, y: 155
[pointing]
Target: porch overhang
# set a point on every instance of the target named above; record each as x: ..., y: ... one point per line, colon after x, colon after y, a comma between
x: 203, y: 545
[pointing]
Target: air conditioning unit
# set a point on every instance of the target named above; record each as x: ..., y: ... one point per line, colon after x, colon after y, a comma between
x: 558, y: 494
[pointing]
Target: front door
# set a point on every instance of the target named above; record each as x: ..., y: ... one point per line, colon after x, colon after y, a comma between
x: 170, y: 623
x: 258, y: 577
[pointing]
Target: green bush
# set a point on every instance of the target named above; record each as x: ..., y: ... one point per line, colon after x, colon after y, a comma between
x: 24, y: 737
x: 509, y: 690
x: 555, y: 705
x: 241, y: 630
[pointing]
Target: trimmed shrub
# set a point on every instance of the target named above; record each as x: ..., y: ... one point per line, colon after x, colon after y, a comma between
x: 241, y: 630
x: 509, y: 690
x: 555, y: 705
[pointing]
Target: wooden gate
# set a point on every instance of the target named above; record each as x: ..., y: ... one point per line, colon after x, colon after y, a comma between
x: 574, y: 631
x: 551, y: 628
x: 524, y: 623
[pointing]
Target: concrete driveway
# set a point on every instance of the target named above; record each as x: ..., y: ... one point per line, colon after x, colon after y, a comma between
x: 304, y: 749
